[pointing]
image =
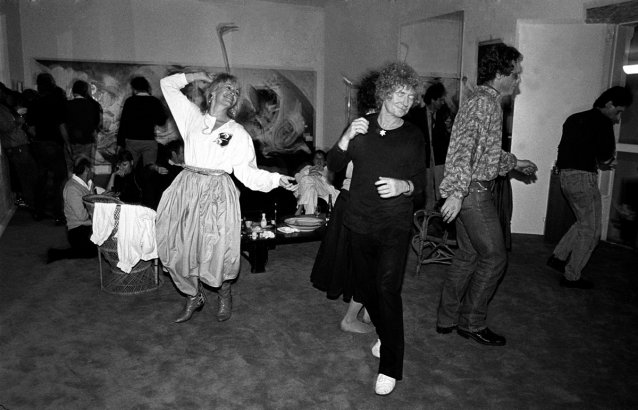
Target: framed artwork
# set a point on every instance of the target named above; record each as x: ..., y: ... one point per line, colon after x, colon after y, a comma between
x: 277, y: 107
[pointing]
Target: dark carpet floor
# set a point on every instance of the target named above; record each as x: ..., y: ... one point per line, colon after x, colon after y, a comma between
x: 65, y: 344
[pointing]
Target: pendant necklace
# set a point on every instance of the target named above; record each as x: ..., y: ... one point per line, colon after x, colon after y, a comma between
x: 383, y: 131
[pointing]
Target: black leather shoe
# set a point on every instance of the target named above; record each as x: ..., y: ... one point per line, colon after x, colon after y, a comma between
x: 444, y: 330
x: 484, y: 337
x: 576, y: 284
x: 556, y: 264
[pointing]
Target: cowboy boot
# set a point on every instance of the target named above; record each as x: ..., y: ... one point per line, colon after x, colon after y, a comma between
x: 225, y: 302
x: 193, y: 303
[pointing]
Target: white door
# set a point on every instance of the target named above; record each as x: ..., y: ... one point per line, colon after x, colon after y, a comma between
x: 565, y: 68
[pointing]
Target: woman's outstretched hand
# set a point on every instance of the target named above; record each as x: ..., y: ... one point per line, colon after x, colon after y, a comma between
x: 288, y: 182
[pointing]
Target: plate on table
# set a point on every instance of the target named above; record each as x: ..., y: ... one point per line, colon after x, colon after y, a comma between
x: 305, y: 223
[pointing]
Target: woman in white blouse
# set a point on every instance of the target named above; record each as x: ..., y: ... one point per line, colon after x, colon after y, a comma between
x: 198, y: 218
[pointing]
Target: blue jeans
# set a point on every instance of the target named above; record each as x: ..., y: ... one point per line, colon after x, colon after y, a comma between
x: 581, y: 190
x: 378, y: 262
x: 478, y: 264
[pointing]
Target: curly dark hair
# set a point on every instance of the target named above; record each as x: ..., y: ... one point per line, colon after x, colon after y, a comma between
x: 366, y: 93
x: 392, y: 77
x: 619, y: 96
x: 497, y: 59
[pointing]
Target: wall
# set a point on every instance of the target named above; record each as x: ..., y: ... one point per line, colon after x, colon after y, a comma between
x: 363, y: 34
x: 10, y: 57
x: 270, y: 35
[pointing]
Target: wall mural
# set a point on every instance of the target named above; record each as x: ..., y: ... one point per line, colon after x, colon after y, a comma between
x: 277, y: 107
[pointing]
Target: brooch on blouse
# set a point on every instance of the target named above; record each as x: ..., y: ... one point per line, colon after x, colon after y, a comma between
x: 223, y: 139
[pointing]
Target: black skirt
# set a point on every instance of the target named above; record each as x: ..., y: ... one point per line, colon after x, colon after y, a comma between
x: 332, y: 271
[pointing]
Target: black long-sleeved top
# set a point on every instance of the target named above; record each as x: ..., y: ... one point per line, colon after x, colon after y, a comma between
x: 82, y: 119
x: 140, y: 115
x: 400, y: 154
x: 588, y: 139
x: 47, y: 114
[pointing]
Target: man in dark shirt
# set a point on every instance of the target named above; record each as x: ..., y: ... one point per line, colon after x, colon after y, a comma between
x: 83, y: 116
x: 587, y: 145
x: 45, y: 118
x: 434, y: 118
x: 388, y: 155
x: 140, y: 114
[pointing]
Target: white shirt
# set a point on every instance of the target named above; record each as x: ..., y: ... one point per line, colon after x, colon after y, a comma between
x: 80, y: 181
x: 202, y: 150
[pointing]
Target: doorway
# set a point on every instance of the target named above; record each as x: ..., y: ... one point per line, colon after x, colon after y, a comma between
x: 622, y: 225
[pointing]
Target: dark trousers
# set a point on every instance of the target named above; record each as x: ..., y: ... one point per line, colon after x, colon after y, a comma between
x: 477, y: 266
x: 49, y: 156
x: 81, y: 245
x: 378, y: 262
x: 24, y: 169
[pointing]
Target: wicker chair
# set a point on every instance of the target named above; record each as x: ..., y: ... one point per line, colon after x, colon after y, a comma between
x: 144, y: 276
x: 432, y: 242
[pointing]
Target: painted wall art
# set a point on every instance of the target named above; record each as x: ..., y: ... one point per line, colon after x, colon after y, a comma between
x: 277, y: 107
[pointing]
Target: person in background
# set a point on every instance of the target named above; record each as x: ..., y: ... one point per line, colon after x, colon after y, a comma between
x: 83, y: 116
x: 314, y: 182
x: 332, y: 270
x: 388, y: 155
x: 15, y: 143
x: 78, y: 219
x: 434, y: 118
x: 198, y: 217
x: 588, y: 144
x: 123, y: 182
x: 171, y: 158
x: 45, y: 118
x: 141, y: 113
x: 475, y: 158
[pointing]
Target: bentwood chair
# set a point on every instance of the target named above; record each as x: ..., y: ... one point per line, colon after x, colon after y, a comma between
x: 433, y: 241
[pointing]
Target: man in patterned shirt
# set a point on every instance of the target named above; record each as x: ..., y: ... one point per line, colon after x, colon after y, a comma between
x: 474, y: 160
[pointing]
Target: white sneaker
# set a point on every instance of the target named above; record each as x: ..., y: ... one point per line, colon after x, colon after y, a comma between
x: 385, y: 385
x: 376, y: 349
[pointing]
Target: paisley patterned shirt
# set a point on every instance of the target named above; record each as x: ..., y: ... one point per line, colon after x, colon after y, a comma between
x: 475, y: 152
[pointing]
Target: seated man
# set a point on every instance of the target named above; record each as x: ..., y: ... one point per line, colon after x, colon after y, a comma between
x: 173, y: 163
x: 170, y: 162
x: 123, y: 182
x: 78, y: 219
x: 314, y: 184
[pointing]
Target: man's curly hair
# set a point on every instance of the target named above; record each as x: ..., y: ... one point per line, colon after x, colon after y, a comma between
x: 392, y: 77
x: 497, y: 59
